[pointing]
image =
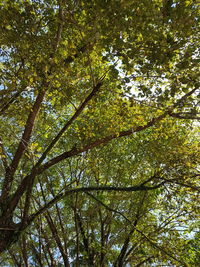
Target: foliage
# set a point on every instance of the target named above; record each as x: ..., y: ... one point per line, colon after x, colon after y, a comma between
x: 99, y: 133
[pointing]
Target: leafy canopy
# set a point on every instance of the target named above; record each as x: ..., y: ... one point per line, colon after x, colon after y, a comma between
x: 99, y: 132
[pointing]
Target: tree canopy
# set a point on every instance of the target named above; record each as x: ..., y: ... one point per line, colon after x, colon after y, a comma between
x: 99, y: 141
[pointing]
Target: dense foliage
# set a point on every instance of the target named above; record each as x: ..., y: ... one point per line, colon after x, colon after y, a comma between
x: 99, y: 133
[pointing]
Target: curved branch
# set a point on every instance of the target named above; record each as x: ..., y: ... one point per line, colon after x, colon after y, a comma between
x: 90, y: 189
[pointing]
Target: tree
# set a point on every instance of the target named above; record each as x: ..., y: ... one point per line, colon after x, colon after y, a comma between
x: 99, y: 133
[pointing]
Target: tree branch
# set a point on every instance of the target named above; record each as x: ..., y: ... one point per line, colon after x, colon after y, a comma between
x: 123, y: 253
x: 85, y: 238
x: 3, y: 155
x: 90, y: 189
x: 186, y: 116
x: 75, y: 151
x: 67, y: 125
x: 82, y: 49
x: 60, y: 27
x: 5, y: 106
x: 183, y: 98
x: 22, y: 145
x: 174, y: 181
x: 153, y: 243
